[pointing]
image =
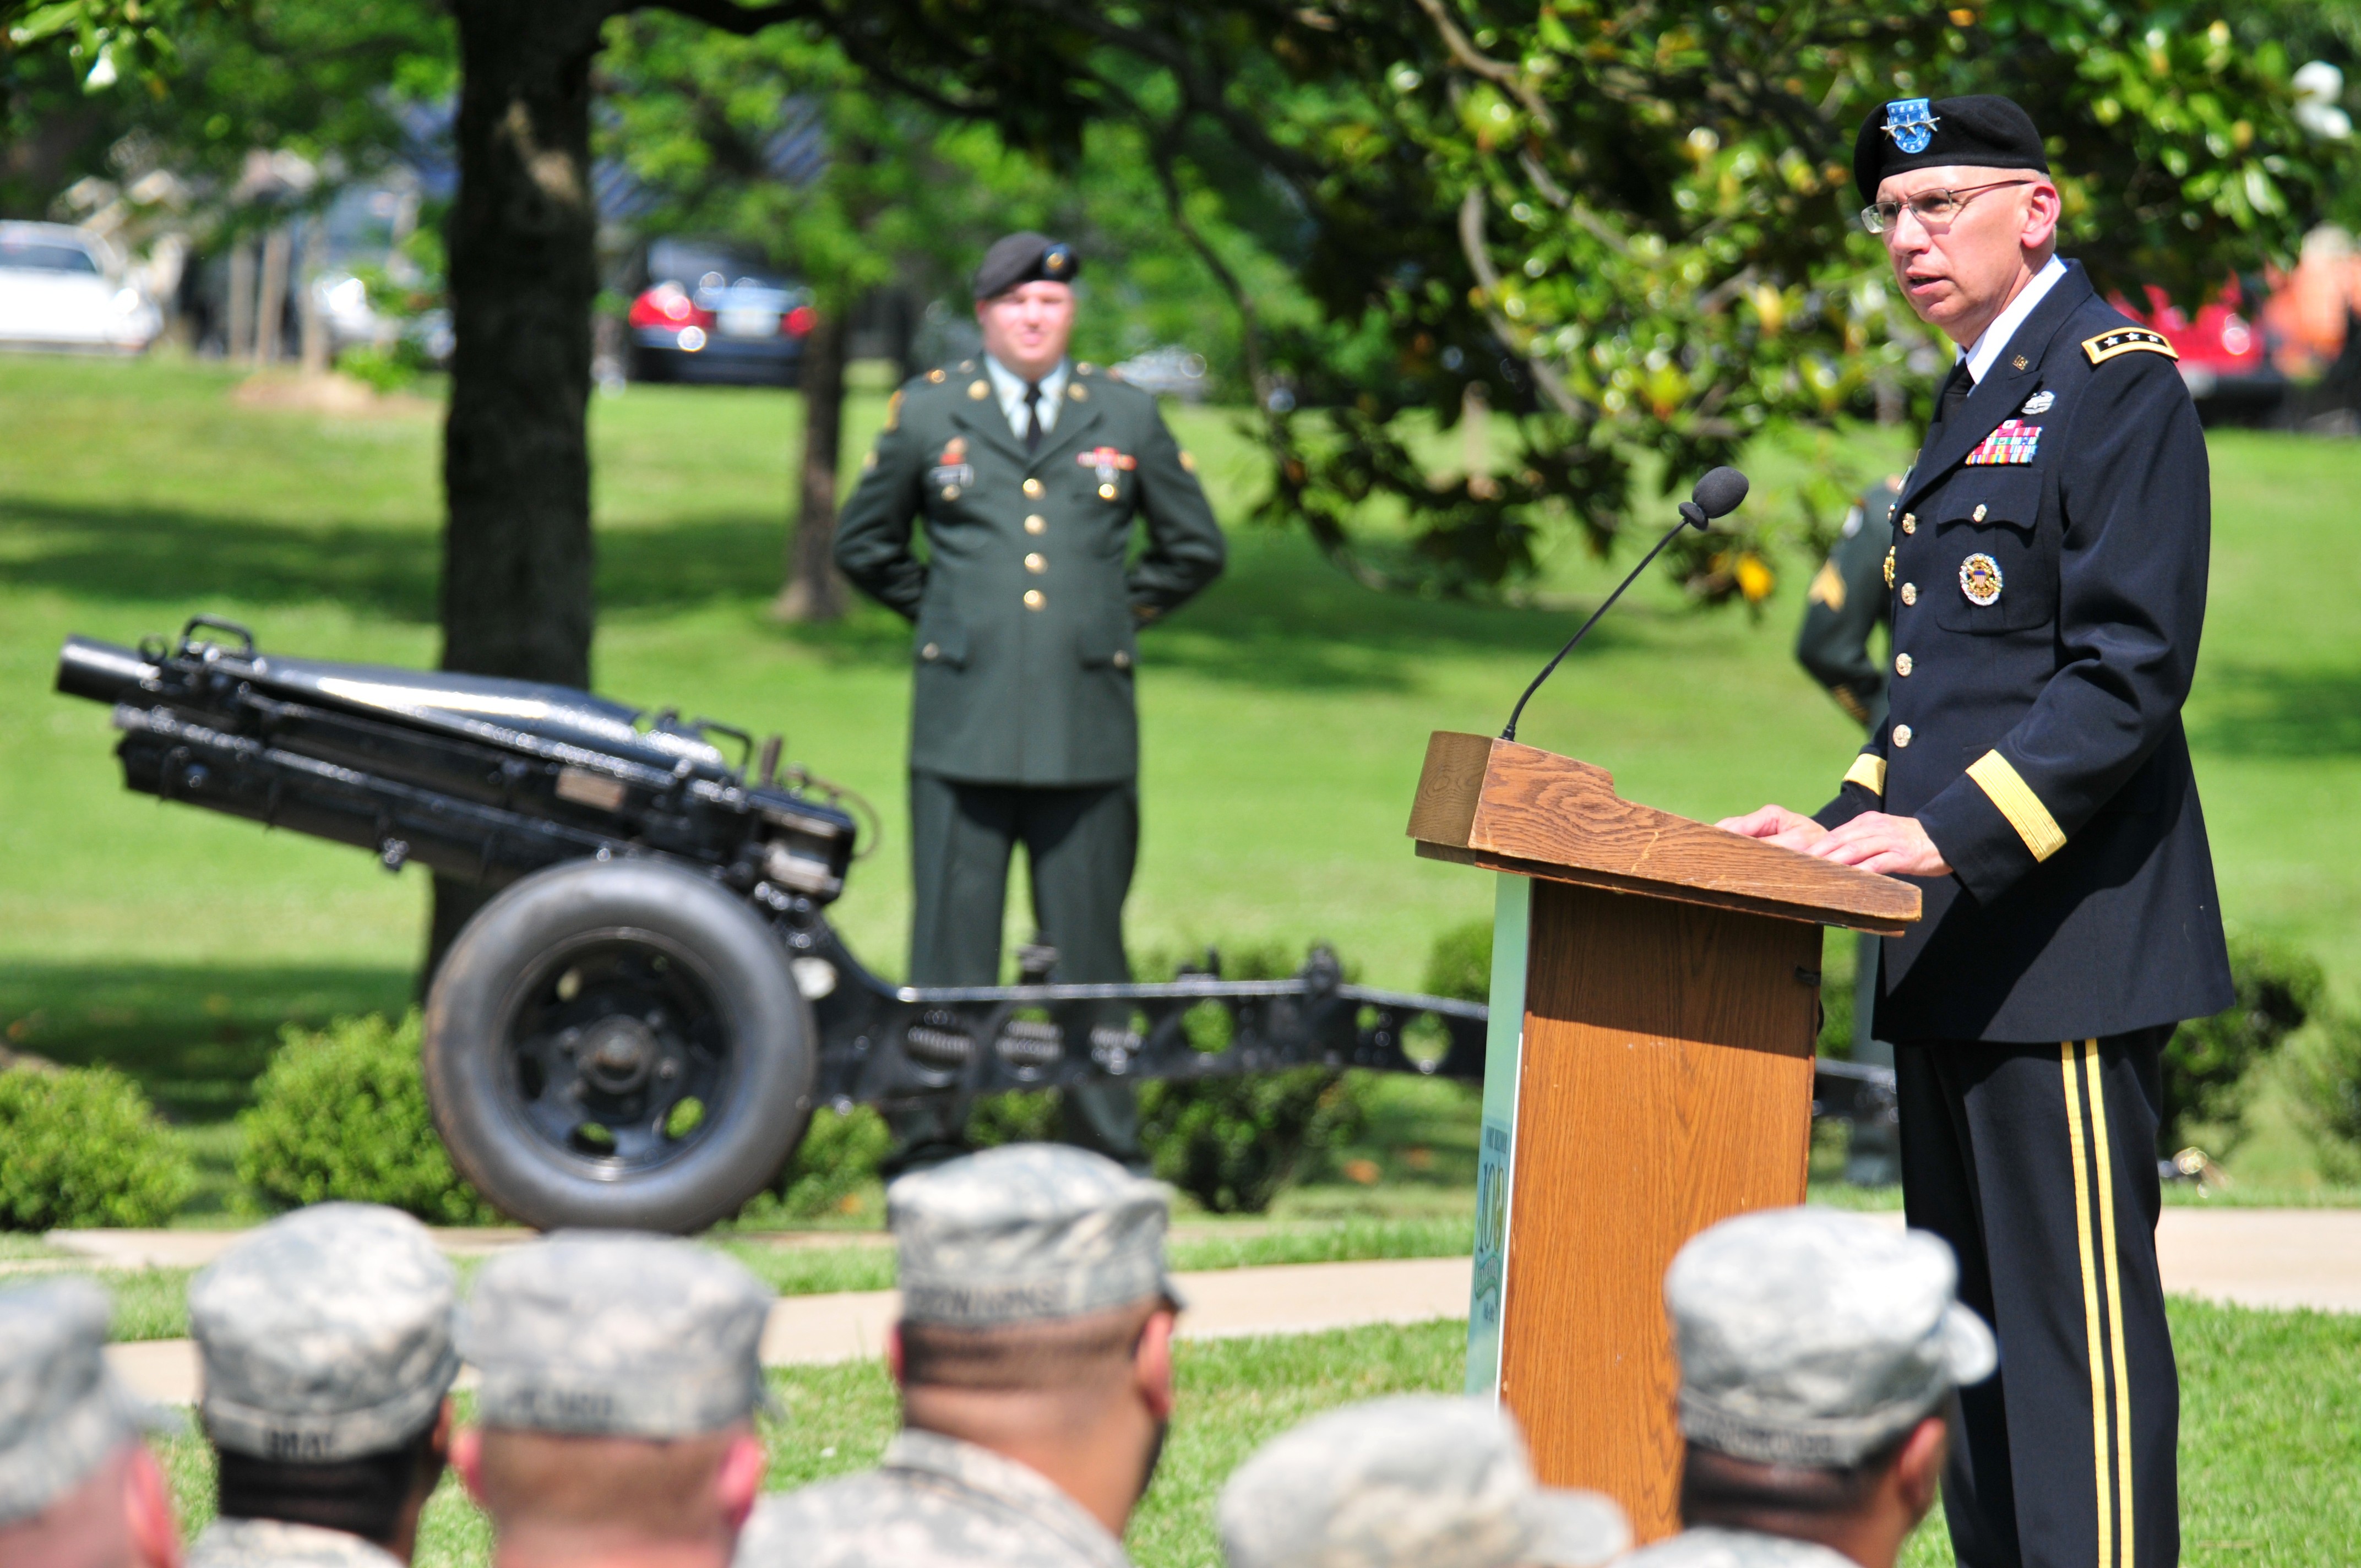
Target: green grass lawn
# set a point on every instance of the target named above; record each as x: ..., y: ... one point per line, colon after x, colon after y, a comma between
x: 2271, y: 1447
x: 1285, y: 714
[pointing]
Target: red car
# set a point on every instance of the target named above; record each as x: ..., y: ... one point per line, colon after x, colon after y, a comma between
x: 2224, y: 357
x: 706, y: 314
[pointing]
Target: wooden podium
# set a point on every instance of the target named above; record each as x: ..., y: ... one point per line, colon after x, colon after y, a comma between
x: 1656, y: 988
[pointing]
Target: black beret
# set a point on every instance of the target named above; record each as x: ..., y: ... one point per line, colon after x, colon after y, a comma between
x: 1984, y: 131
x: 1025, y: 257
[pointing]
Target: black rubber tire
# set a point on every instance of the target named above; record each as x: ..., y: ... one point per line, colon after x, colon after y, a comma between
x: 509, y: 947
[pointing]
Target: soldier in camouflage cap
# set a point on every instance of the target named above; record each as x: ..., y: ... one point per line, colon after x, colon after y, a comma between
x: 1035, y: 1357
x: 1418, y: 1481
x: 1821, y: 1353
x: 78, y: 1487
x: 326, y: 1342
x: 620, y: 1374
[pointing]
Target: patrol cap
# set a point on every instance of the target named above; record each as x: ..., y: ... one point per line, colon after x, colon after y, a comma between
x: 1416, y: 1481
x: 1812, y: 1337
x: 1981, y: 130
x: 1024, y: 258
x: 324, y: 1336
x: 1710, y: 1548
x: 61, y: 1409
x: 1026, y: 1232
x: 615, y: 1334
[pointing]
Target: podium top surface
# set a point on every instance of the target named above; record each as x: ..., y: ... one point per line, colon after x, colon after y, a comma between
x: 1518, y: 808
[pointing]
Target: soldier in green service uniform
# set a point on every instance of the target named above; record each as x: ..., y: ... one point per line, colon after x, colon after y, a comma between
x: 1848, y: 601
x: 1027, y: 472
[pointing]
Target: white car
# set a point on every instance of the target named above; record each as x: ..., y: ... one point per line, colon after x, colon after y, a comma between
x: 63, y: 288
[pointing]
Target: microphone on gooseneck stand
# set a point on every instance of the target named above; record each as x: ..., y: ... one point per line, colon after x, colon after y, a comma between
x: 1716, y: 494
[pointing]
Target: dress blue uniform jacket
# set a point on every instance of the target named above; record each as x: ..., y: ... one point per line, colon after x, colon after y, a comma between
x: 2049, y: 584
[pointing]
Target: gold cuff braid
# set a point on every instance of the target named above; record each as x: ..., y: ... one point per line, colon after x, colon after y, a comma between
x: 2017, y: 802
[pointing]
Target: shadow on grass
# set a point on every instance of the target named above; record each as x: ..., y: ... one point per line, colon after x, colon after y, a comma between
x: 2253, y: 711
x: 194, y: 1037
x: 1282, y: 619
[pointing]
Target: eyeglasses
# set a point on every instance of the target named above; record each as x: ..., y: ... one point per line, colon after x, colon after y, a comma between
x: 1933, y: 209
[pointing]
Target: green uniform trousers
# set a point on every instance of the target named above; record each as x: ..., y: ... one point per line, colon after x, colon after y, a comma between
x: 1080, y: 844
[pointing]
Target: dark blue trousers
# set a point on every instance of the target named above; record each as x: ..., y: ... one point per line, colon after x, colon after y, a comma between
x: 2038, y: 1164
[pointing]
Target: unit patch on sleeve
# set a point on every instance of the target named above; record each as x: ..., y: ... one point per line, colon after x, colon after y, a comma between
x: 2014, y: 442
x: 2127, y: 340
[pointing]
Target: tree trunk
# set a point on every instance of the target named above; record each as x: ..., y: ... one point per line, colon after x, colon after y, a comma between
x: 516, y: 463
x: 814, y: 590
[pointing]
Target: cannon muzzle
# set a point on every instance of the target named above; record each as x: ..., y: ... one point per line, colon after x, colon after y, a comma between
x: 103, y: 671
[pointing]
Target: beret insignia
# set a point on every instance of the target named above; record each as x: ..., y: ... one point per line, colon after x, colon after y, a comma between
x: 1911, y: 123
x: 2126, y: 340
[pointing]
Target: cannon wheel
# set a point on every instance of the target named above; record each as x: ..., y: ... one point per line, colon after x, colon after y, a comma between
x: 621, y: 1045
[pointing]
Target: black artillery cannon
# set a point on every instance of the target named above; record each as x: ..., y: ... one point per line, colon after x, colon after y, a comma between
x: 634, y: 1031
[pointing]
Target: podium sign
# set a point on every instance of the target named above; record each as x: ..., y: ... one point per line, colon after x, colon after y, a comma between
x: 1655, y: 987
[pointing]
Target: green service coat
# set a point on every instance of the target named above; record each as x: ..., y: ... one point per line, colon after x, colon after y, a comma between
x: 1030, y: 597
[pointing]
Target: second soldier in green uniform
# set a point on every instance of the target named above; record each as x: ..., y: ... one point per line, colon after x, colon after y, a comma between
x: 1026, y: 472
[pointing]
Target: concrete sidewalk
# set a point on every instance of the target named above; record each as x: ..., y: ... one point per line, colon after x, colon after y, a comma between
x: 817, y: 1330
x: 2255, y: 1257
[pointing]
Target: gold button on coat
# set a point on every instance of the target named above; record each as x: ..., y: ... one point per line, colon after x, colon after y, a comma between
x: 1977, y: 515
x: 1910, y: 523
x: 1033, y: 599
x: 1122, y: 660
x: 950, y: 492
x: 1032, y: 487
x: 1902, y: 734
x: 931, y: 652
x: 1036, y: 564
x: 1037, y: 524
x: 979, y: 391
x: 1902, y: 663
x: 1106, y: 492
x: 1909, y: 593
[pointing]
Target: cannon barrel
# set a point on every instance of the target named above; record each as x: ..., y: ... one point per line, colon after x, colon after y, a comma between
x: 103, y: 671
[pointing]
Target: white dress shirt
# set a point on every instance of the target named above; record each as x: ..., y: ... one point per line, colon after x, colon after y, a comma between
x: 1985, y: 351
x: 1009, y: 388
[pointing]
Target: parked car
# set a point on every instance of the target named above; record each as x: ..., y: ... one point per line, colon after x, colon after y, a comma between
x: 2224, y: 361
x: 64, y: 288
x: 707, y: 312
x: 1168, y: 371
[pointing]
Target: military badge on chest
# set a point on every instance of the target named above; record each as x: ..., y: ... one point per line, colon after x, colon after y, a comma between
x: 1980, y: 579
x: 951, y: 471
x: 2014, y: 442
x: 1108, y: 462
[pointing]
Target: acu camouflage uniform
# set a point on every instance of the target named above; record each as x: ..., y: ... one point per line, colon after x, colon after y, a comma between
x: 1809, y: 1339
x: 62, y: 1411
x: 1023, y: 1234
x: 324, y: 1336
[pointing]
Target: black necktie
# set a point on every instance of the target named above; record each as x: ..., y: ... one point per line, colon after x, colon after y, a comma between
x: 1032, y: 417
x: 1955, y: 392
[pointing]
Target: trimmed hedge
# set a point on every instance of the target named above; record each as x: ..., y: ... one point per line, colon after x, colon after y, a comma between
x: 2208, y: 1063
x: 341, y: 1114
x: 81, y: 1147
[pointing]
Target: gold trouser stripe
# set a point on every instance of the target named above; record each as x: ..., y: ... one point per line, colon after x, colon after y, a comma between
x: 2116, y: 1337
x: 2018, y: 804
x: 2090, y: 1327
x: 1868, y: 771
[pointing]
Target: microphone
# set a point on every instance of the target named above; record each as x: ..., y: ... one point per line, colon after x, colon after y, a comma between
x: 1716, y: 494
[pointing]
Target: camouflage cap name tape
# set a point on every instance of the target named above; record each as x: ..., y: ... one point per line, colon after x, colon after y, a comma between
x: 615, y: 1334
x: 1812, y: 1337
x: 61, y: 1411
x: 1417, y: 1481
x: 1023, y: 1233
x: 324, y: 1336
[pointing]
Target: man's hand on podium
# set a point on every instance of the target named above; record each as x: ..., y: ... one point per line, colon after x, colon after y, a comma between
x: 1891, y: 845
